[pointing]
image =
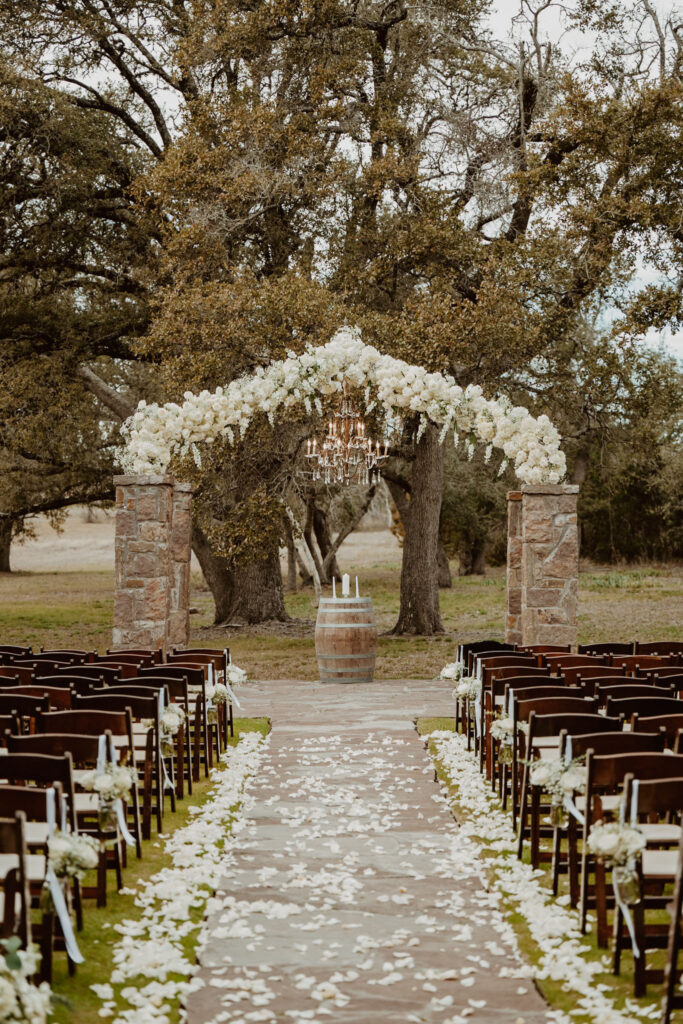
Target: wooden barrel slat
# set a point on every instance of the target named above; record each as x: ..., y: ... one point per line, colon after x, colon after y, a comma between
x: 346, y: 640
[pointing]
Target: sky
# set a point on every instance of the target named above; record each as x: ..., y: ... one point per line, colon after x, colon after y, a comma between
x: 553, y: 28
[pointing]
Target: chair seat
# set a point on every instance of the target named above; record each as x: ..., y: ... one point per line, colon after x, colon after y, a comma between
x: 660, y: 863
x: 35, y: 865
x: 610, y: 802
x: 546, y: 742
x: 661, y: 833
x: 35, y: 833
x: 548, y: 753
x: 86, y: 803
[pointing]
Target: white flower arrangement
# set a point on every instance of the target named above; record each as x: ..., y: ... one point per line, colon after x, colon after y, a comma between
x: 469, y: 688
x: 216, y: 695
x: 236, y: 676
x: 21, y: 1002
x: 559, y: 779
x: 155, y: 434
x: 452, y: 671
x: 501, y: 729
x: 71, y: 854
x: 171, y: 720
x: 615, y: 843
x: 113, y: 783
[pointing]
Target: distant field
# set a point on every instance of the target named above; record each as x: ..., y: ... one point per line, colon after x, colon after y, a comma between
x: 71, y: 606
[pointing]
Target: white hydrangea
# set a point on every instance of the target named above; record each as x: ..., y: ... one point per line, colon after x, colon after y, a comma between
x: 155, y: 434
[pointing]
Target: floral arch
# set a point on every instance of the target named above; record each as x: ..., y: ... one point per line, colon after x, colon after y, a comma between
x: 156, y: 433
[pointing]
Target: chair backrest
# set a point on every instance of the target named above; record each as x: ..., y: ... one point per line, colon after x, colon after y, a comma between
x: 554, y: 706
x: 220, y: 655
x: 514, y: 672
x: 59, y: 697
x: 31, y: 800
x: 640, y: 662
x: 13, y: 649
x: 584, y: 672
x: 608, y: 771
x: 623, y: 690
x: 42, y: 770
x: 524, y: 693
x: 9, y: 724
x: 125, y: 669
x: 591, y: 683
x: 84, y: 750
x: 610, y: 647
x: 644, y: 707
x: 527, y: 682
x: 660, y: 647
x: 141, y: 653
x: 653, y: 797
x: 554, y: 724
x: 130, y: 658
x: 24, y: 705
x: 503, y: 660
x: 143, y: 706
x: 66, y: 683
x: 15, y: 882
x: 16, y: 673
x: 96, y: 673
x: 546, y: 649
x: 610, y: 740
x: 85, y: 722
x: 42, y: 665
x: 669, y: 725
x: 560, y: 662
x: 670, y: 675
x: 74, y: 657
x: 194, y: 674
x: 176, y: 689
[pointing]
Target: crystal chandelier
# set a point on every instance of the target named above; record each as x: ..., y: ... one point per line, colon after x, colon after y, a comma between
x: 346, y: 455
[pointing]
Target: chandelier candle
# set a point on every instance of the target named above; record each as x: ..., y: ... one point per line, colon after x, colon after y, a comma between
x: 346, y: 637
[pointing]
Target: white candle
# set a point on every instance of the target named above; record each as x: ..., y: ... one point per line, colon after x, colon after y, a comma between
x: 334, y: 588
x: 357, y: 594
x: 345, y: 585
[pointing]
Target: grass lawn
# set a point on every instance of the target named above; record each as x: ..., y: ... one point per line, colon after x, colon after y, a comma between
x: 99, y: 933
x: 619, y: 987
x: 74, y: 609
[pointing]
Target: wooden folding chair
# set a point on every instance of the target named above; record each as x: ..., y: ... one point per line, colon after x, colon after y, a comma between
x: 146, y: 746
x: 545, y: 723
x: 9, y: 724
x: 609, y: 688
x: 75, y: 657
x: 33, y: 804
x: 636, y: 664
x: 660, y: 647
x: 647, y: 802
x: 59, y: 697
x: 16, y: 674
x: 218, y: 659
x: 673, y: 997
x: 197, y: 731
x: 139, y: 653
x: 605, y: 777
x: 561, y: 663
x: 607, y: 741
x: 94, y: 723
x: 94, y: 673
x: 15, y: 901
x: 27, y: 708
x: 668, y: 726
x: 644, y: 707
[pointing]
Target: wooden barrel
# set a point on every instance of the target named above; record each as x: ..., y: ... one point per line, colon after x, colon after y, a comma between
x: 346, y: 640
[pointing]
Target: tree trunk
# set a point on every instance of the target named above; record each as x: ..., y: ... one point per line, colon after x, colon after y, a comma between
x: 419, y: 610
x: 219, y: 579
x: 291, y: 559
x: 444, y: 569
x: 258, y: 589
x: 471, y: 557
x: 321, y: 528
x: 5, y: 543
x: 251, y: 592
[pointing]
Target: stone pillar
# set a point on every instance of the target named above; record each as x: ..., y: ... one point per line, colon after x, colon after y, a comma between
x: 550, y: 564
x: 513, y: 622
x: 151, y: 602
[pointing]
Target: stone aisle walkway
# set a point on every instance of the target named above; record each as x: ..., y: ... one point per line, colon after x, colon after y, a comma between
x: 347, y: 900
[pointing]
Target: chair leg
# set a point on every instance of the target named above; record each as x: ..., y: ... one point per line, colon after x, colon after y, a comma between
x: 573, y: 862
x: 535, y: 825
x: 639, y: 977
x: 601, y: 904
x: 557, y: 857
x: 522, y: 812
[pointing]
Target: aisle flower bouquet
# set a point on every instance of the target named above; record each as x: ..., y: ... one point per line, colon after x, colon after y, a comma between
x: 21, y: 1002
x: 216, y: 696
x: 170, y: 722
x: 114, y: 782
x: 561, y: 781
x: 70, y: 854
x: 469, y: 688
x: 619, y: 847
x: 236, y: 676
x: 452, y: 671
x: 501, y: 731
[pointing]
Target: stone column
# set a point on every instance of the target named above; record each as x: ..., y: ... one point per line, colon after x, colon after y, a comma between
x: 550, y: 564
x: 513, y: 622
x: 151, y: 601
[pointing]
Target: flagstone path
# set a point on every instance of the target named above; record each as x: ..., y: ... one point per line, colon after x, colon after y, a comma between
x: 346, y: 899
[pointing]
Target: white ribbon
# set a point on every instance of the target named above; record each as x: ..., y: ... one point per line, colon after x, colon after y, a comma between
x: 56, y: 890
x: 102, y: 761
x: 162, y: 704
x: 623, y: 907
